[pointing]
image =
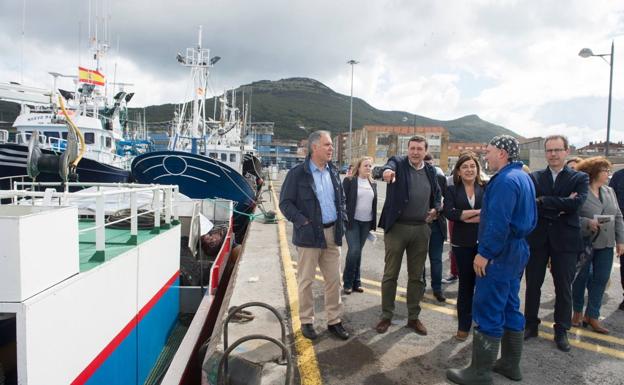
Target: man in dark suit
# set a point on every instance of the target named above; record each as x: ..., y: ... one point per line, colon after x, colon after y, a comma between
x: 560, y: 192
x: 436, y: 240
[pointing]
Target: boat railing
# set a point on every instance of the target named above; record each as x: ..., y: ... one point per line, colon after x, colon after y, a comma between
x: 4, y: 136
x: 11, y: 179
x: 24, y: 138
x: 161, y: 205
x: 57, y: 144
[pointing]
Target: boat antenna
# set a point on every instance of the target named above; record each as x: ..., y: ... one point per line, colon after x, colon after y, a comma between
x: 23, y: 39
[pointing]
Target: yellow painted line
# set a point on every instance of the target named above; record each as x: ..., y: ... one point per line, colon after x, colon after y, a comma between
x: 587, y: 346
x: 306, y: 357
x: 574, y: 342
x: 404, y: 290
x: 574, y: 331
x: 399, y: 288
x: 425, y: 305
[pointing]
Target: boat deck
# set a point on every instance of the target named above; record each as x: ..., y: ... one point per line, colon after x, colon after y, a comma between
x: 118, y: 241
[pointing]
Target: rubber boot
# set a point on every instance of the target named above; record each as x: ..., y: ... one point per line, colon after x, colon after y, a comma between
x: 511, y: 352
x: 484, y: 353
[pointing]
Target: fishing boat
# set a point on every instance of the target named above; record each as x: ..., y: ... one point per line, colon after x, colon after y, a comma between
x: 206, y: 158
x: 102, y: 120
x: 118, y: 291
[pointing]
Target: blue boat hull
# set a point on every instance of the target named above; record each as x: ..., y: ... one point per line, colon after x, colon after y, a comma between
x: 199, y: 177
x: 13, y: 163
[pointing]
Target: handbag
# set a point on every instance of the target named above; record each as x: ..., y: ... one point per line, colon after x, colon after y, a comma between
x: 587, y: 254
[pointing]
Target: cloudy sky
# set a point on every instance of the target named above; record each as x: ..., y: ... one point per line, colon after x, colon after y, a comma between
x: 514, y: 63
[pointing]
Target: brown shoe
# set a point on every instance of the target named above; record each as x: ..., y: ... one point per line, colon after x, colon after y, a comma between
x: 383, y: 326
x: 417, y: 327
x: 461, y: 336
x: 596, y: 325
x: 577, y: 318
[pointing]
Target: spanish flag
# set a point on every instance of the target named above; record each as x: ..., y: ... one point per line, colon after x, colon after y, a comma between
x: 90, y: 76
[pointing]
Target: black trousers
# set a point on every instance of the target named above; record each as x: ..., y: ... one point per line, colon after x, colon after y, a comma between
x: 563, y: 267
x: 465, y: 292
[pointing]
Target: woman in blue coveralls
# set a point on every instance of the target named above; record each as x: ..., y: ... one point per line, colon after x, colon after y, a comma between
x: 508, y: 215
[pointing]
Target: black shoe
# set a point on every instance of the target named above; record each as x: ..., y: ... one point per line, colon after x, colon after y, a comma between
x: 439, y: 296
x: 561, y: 339
x: 530, y: 332
x: 308, y: 331
x: 621, y: 307
x: 339, y: 331
x: 450, y: 279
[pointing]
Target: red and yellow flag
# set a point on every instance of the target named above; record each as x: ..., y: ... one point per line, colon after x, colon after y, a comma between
x: 90, y: 76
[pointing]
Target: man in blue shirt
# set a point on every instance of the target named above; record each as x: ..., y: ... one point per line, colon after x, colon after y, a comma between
x: 508, y: 215
x: 313, y: 200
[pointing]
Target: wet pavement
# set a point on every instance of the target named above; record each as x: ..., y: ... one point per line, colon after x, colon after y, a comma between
x: 402, y: 357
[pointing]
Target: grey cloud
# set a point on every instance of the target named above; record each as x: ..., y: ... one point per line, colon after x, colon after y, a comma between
x: 584, y: 112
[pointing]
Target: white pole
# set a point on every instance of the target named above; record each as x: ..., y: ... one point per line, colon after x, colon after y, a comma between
x: 134, y: 226
x: 157, y: 209
x: 100, y: 235
x: 353, y: 63
x: 168, y: 201
x: 23, y: 39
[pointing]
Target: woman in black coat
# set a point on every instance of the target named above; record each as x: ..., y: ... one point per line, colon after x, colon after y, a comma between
x: 462, y: 205
x: 361, y: 196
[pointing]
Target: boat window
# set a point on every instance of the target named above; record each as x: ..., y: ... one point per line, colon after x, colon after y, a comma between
x: 213, y: 155
x: 51, y: 134
x: 223, y: 157
x: 8, y: 348
x: 89, y: 138
x: 109, y: 142
x: 232, y: 157
x: 64, y: 135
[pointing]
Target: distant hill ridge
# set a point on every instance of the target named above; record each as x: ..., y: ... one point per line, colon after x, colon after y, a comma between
x: 300, y: 105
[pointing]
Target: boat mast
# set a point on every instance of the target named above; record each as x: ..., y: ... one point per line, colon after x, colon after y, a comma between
x: 198, y: 59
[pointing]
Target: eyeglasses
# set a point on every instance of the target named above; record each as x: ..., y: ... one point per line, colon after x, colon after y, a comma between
x: 607, y: 170
x: 554, y: 150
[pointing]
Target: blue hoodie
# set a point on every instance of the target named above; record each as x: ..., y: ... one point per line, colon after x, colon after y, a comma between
x: 508, y: 215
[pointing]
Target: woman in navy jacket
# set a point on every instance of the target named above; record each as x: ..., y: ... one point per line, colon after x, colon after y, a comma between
x: 361, y: 197
x: 462, y: 205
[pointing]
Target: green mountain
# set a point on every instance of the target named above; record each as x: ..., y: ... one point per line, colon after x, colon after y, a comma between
x: 301, y: 105
x: 295, y: 102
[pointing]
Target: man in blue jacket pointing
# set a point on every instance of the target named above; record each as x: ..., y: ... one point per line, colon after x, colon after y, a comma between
x: 508, y: 215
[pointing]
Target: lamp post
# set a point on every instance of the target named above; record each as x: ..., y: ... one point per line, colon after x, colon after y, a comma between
x: 352, y: 63
x: 585, y: 53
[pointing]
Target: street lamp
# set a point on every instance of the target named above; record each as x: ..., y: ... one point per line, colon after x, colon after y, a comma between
x: 585, y: 53
x: 352, y: 63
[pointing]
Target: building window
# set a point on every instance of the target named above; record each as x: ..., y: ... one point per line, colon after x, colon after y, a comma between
x: 232, y: 157
x: 213, y: 155
x: 383, y: 140
x: 223, y: 157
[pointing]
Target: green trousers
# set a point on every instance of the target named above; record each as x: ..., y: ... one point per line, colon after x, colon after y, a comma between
x: 414, y: 241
